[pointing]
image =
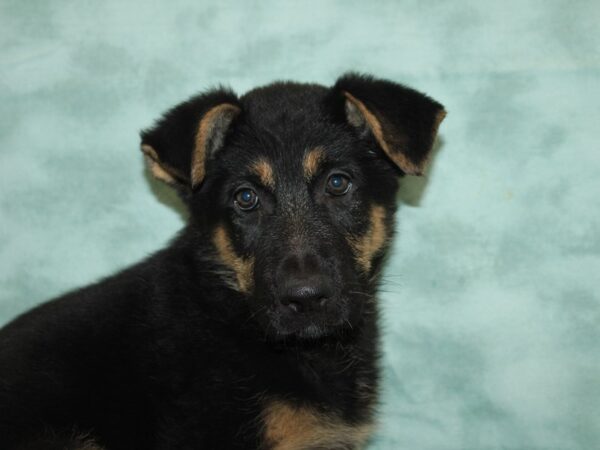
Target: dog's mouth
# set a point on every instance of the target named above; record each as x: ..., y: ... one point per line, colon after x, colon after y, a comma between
x: 314, y: 331
x: 285, y: 322
x: 308, y: 331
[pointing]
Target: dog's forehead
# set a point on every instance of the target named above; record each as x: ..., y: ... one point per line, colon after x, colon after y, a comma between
x: 285, y: 131
x: 285, y: 110
x: 293, y: 98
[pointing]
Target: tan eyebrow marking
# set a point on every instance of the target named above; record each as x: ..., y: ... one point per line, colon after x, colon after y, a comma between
x: 264, y: 171
x: 367, y: 246
x: 311, y: 162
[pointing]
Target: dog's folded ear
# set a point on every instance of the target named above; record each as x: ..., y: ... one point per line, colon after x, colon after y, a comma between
x: 183, y: 141
x: 404, y: 122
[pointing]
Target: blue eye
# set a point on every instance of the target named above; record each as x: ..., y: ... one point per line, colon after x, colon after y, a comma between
x: 338, y: 184
x: 246, y: 199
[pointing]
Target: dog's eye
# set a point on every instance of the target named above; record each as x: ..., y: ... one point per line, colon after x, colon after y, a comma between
x: 246, y: 199
x: 338, y: 184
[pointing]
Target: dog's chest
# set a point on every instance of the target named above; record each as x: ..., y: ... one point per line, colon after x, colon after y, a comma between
x: 289, y: 427
x: 257, y: 410
x: 339, y: 390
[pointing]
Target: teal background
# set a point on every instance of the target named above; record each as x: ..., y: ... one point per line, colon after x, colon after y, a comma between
x: 490, y: 303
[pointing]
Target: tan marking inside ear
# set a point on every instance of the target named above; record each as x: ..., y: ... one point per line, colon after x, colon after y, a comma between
x: 367, y: 246
x: 374, y: 124
x: 155, y: 166
x: 264, y: 171
x: 225, y: 111
x: 242, y: 267
x: 311, y: 162
x: 289, y: 427
x: 159, y: 172
x: 150, y: 152
x: 439, y: 117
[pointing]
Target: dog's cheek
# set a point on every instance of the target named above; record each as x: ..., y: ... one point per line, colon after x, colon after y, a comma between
x: 243, y: 268
x: 370, y: 244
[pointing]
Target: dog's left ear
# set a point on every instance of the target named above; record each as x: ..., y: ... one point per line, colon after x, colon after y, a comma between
x: 181, y: 144
x: 404, y: 122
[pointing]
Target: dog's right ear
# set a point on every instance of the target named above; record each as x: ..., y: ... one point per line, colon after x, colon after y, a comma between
x: 181, y: 143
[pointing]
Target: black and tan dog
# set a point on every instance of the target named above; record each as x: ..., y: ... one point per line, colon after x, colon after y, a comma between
x: 257, y: 327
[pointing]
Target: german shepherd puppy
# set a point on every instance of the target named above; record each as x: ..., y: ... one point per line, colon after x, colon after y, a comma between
x: 256, y: 328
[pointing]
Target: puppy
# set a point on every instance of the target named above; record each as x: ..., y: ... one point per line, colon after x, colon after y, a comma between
x: 256, y: 328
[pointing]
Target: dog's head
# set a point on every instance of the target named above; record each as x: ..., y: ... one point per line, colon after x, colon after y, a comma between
x: 294, y: 187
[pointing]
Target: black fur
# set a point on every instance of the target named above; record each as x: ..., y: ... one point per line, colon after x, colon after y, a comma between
x: 172, y: 353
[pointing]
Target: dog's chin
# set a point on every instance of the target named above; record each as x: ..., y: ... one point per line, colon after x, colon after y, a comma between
x: 285, y: 324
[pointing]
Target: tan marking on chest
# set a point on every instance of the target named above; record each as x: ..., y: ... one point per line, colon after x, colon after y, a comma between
x: 289, y: 427
x: 311, y: 162
x: 367, y: 246
x: 264, y: 171
x: 243, y: 267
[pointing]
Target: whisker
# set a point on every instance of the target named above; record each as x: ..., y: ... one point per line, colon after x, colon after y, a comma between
x: 255, y: 313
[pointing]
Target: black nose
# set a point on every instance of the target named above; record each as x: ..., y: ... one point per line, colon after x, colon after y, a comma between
x: 306, y: 295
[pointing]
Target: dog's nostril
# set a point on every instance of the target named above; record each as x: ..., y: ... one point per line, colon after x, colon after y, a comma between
x: 305, y: 297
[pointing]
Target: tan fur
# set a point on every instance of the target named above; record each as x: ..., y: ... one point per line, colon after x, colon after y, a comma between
x: 159, y: 172
x: 205, y: 128
x: 289, y: 427
x: 441, y: 115
x: 242, y: 267
x: 311, y: 162
x: 155, y: 166
x: 367, y: 246
x: 264, y: 171
x: 376, y: 128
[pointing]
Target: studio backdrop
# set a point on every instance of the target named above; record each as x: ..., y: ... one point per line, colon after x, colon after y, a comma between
x: 490, y: 303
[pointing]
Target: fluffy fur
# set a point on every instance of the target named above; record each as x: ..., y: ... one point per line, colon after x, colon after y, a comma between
x: 256, y: 328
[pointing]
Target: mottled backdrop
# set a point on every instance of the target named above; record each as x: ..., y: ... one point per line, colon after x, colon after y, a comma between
x: 490, y: 303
